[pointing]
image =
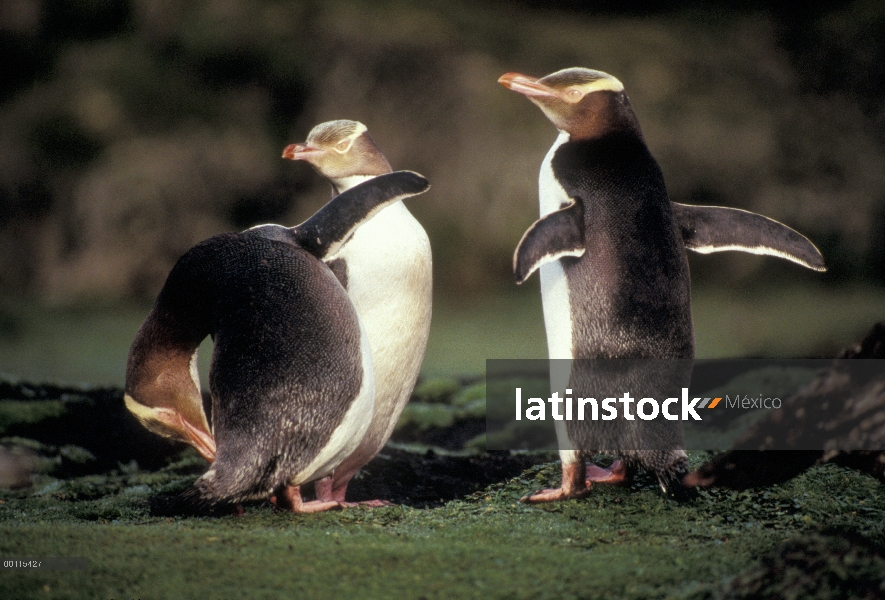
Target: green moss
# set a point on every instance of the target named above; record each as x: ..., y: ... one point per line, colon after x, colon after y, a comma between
x: 437, y: 390
x: 470, y: 394
x: 476, y: 409
x: 484, y: 546
x: 29, y: 444
x: 521, y: 435
x: 532, y: 387
x: 13, y: 412
x: 76, y: 455
x: 817, y: 566
x: 425, y: 416
x: 477, y: 443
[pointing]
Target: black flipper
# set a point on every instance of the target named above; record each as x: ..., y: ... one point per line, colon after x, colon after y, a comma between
x: 330, y: 227
x: 561, y: 233
x: 708, y: 229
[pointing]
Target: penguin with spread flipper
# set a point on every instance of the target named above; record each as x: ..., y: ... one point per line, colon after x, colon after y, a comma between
x: 386, y: 269
x: 610, y: 247
x: 291, y: 379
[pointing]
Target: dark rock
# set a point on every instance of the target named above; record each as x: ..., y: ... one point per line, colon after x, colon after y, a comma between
x: 841, y: 411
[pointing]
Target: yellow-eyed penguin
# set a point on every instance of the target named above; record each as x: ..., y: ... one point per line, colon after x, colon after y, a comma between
x: 386, y: 269
x: 610, y: 246
x: 291, y: 378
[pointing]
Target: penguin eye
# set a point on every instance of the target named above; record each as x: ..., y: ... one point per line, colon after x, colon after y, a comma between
x: 574, y: 94
x: 343, y: 146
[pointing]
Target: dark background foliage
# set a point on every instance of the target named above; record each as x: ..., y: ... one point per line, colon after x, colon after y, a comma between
x: 133, y: 128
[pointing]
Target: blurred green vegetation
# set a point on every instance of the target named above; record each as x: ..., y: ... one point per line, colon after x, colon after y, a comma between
x: 89, y: 342
x: 131, y: 129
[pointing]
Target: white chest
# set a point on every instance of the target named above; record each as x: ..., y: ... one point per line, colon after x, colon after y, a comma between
x: 388, y: 261
x: 551, y: 196
x: 389, y: 282
x: 554, y: 285
x: 345, y: 183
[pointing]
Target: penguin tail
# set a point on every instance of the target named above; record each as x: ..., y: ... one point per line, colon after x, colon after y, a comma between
x: 224, y: 483
x: 188, y: 503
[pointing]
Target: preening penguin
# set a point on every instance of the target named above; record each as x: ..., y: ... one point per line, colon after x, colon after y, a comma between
x: 386, y: 269
x: 610, y: 245
x: 292, y: 379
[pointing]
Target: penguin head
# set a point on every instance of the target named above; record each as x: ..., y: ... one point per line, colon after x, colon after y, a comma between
x: 339, y: 150
x: 581, y: 102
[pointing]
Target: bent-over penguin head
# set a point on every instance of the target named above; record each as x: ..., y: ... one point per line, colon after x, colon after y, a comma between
x: 582, y: 102
x: 340, y: 150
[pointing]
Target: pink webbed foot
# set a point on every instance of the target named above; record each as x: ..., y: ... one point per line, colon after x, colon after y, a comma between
x: 574, y: 485
x: 614, y: 475
x: 368, y: 504
x: 554, y: 495
x: 327, y: 492
x: 290, y: 500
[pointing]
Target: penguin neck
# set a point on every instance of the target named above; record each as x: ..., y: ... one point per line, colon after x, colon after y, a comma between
x: 602, y: 114
x: 551, y: 196
x: 379, y: 227
x: 342, y: 184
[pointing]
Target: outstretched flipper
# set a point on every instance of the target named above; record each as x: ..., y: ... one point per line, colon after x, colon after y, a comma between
x: 707, y: 229
x: 561, y: 233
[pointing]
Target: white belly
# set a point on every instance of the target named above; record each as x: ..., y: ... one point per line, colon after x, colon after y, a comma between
x: 554, y: 288
x: 555, y: 298
x: 389, y: 282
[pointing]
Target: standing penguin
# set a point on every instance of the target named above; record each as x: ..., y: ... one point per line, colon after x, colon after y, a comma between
x: 386, y: 269
x: 292, y: 379
x: 611, y: 247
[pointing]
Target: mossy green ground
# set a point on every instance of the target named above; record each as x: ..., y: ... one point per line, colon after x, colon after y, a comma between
x: 621, y: 542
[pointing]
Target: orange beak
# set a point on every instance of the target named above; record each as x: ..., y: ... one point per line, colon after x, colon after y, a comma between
x: 201, y: 440
x: 300, y: 151
x: 195, y: 435
x: 528, y: 86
